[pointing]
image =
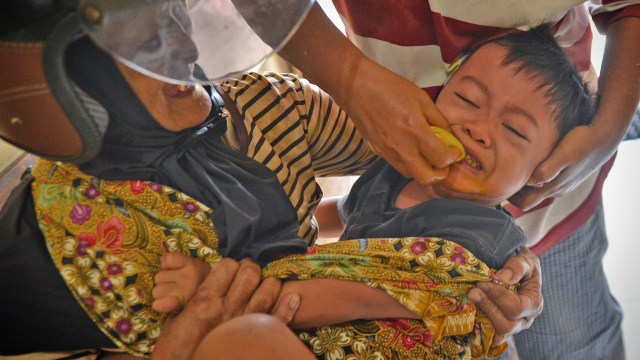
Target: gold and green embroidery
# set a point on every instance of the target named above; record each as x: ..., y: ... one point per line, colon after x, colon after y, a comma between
x: 429, y: 276
x: 107, y: 237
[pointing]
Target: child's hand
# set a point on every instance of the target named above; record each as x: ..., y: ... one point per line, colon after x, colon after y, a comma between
x: 177, y: 282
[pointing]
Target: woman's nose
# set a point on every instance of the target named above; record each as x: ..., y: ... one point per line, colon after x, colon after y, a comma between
x: 188, y: 50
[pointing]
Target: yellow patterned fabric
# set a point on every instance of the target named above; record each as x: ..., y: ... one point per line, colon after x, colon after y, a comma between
x: 106, y: 239
x: 429, y: 276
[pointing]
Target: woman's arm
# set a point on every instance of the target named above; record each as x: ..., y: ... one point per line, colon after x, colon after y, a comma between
x: 390, y: 112
x: 329, y: 301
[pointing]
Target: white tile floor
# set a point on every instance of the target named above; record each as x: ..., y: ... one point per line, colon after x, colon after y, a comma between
x: 621, y: 196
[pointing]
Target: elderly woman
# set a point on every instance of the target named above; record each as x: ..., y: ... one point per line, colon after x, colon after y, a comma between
x: 252, y: 181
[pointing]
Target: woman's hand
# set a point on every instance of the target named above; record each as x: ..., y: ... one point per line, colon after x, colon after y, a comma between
x: 509, y: 312
x: 392, y: 114
x: 581, y: 152
x: 230, y: 289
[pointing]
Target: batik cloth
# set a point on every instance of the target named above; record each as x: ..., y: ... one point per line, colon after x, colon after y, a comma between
x: 106, y: 239
x: 429, y: 276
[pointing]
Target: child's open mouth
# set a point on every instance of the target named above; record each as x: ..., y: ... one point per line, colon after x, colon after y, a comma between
x: 472, y: 162
x: 179, y: 90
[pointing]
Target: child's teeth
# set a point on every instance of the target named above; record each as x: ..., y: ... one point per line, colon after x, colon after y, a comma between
x: 472, y: 162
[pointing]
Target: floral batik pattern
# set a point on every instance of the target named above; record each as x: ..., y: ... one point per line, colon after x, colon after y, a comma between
x: 107, y: 237
x: 429, y: 276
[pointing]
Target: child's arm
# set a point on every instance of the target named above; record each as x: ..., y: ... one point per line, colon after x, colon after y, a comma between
x: 329, y: 301
x: 323, y: 301
x: 329, y: 223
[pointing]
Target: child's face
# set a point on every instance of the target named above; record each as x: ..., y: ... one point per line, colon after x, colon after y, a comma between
x: 504, y: 122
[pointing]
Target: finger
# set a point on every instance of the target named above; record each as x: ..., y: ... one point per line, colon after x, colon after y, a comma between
x: 411, y: 164
x: 519, y: 267
x: 170, y: 263
x: 499, y: 339
x: 167, y: 299
x: 421, y: 171
x: 163, y: 290
x: 502, y: 325
x: 545, y: 182
x: 524, y: 269
x: 286, y: 308
x: 547, y: 171
x: 560, y: 159
x: 434, y: 150
x: 265, y: 297
x: 168, y: 277
x: 168, y: 304
x: 438, y: 153
x: 219, y: 279
x: 208, y: 303
x: 511, y: 306
x: 434, y: 116
x: 529, y: 197
x: 244, y: 285
x: 173, y: 261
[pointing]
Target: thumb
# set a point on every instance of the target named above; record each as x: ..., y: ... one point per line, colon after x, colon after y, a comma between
x: 551, y: 167
x: 286, y: 307
x: 544, y: 173
x: 434, y: 116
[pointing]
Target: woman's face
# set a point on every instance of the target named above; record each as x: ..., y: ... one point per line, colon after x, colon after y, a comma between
x: 157, y: 37
x: 174, y: 107
x: 505, y: 123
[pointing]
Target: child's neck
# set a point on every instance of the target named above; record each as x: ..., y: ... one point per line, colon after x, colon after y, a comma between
x: 413, y: 194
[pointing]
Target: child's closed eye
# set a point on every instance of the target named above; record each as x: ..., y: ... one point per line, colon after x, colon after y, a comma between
x: 515, y: 132
x: 467, y: 101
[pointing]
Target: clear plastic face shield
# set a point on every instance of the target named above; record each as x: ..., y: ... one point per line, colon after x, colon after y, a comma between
x: 164, y: 38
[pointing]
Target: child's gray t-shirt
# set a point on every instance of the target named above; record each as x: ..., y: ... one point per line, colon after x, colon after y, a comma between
x: 491, y: 234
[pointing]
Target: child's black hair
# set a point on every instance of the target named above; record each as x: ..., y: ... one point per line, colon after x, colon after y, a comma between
x: 536, y: 53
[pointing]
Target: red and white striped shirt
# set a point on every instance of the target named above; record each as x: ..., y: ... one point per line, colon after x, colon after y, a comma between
x: 418, y: 39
